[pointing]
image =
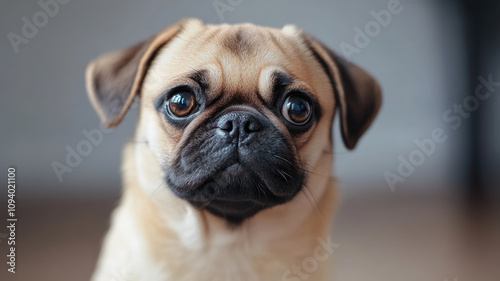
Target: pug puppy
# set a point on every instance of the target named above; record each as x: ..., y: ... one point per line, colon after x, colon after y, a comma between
x: 228, y: 175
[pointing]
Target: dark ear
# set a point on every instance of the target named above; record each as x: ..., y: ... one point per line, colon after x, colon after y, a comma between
x: 358, y: 95
x: 113, y: 80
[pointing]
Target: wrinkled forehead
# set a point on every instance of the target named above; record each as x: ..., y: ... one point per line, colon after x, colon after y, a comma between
x: 234, y: 58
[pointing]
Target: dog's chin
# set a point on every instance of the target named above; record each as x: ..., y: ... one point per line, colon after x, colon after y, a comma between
x: 238, y: 193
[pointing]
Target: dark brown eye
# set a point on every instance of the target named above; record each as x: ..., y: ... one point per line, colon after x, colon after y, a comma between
x: 181, y: 104
x: 296, y: 109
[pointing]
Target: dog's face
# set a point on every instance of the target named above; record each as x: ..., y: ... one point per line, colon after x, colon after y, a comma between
x: 235, y: 116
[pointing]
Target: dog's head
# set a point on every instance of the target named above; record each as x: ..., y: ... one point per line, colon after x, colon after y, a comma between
x: 235, y: 115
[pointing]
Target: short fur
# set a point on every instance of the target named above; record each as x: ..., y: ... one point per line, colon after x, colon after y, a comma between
x: 157, y: 232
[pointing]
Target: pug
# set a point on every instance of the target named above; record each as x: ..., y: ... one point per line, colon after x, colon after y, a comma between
x: 228, y: 176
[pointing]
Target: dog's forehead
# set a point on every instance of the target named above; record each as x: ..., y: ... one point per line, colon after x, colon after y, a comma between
x: 244, y: 42
x: 241, y: 58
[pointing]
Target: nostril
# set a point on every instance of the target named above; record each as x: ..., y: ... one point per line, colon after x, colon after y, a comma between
x: 252, y: 126
x: 227, y: 125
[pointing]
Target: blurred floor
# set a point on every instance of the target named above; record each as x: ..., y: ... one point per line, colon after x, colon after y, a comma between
x: 392, y: 237
x: 416, y: 238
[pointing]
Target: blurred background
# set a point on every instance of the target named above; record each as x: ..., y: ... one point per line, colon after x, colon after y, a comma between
x: 407, y: 212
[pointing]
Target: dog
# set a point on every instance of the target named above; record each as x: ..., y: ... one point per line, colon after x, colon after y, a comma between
x: 228, y: 176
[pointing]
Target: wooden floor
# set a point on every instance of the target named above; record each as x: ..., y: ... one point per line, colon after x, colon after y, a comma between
x: 390, y: 237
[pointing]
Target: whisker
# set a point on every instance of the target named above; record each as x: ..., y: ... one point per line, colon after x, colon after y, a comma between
x: 281, y: 173
x: 283, y: 159
x: 286, y: 174
x: 156, y: 189
x: 314, y: 202
x: 263, y: 190
x: 307, y: 171
x: 206, y: 204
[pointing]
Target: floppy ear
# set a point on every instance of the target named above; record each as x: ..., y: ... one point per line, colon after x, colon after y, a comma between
x: 113, y: 80
x: 358, y: 95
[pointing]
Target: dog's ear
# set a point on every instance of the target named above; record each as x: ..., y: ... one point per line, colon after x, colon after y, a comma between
x: 358, y: 95
x: 113, y: 80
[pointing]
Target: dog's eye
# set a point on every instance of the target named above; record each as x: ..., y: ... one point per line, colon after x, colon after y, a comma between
x: 181, y: 104
x: 296, y: 109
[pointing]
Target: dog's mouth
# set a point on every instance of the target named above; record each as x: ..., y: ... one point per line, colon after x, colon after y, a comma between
x: 237, y: 192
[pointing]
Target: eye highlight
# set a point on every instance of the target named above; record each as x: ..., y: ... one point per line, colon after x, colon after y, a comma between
x: 297, y: 109
x: 181, y: 104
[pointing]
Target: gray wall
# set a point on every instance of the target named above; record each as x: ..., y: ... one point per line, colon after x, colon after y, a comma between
x: 419, y: 59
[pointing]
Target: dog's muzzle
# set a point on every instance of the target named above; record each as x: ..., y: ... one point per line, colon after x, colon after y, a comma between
x: 236, y: 165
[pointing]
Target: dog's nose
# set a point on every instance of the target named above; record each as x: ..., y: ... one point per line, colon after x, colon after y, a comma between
x: 239, y: 125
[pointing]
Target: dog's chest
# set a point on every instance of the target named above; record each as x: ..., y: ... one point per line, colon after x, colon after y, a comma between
x: 185, y: 256
x: 133, y: 255
x: 227, y: 263
x: 223, y: 257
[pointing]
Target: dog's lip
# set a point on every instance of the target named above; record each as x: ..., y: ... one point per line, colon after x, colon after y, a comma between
x: 240, y: 200
x: 243, y: 206
x: 245, y: 201
x: 222, y: 200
